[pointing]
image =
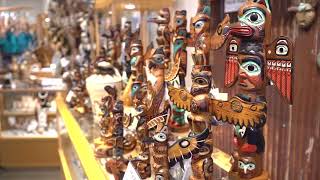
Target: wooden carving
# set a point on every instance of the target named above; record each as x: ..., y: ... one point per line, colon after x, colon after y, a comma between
x: 252, y: 59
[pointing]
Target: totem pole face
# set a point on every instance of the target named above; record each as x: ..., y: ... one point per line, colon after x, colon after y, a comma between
x: 249, y: 166
x: 136, y: 48
x: 200, y: 24
x: 180, y: 20
x: 201, y: 80
x: 254, y: 20
x: 156, y: 63
x: 251, y: 72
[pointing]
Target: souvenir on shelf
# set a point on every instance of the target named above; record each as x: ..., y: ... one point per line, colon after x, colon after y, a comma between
x: 178, y: 68
x: 198, y: 145
x: 252, y: 60
x: 157, y: 113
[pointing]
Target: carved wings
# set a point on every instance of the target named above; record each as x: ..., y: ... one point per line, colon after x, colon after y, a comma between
x: 172, y: 74
x: 235, y: 111
x: 184, y: 148
x: 279, y: 57
x: 180, y: 97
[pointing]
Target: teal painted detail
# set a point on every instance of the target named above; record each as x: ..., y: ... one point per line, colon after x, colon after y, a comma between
x: 133, y: 61
x: 207, y: 10
x: 177, y: 45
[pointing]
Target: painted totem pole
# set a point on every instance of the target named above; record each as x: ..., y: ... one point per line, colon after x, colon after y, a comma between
x: 163, y: 32
x: 157, y: 114
x: 202, y: 106
x: 179, y: 67
x: 251, y: 60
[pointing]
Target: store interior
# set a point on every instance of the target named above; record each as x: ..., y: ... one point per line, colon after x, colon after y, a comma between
x: 159, y: 89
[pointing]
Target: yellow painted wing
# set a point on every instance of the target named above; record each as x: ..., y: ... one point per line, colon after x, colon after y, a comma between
x: 236, y: 111
x: 186, y: 147
x: 174, y: 70
x: 180, y: 97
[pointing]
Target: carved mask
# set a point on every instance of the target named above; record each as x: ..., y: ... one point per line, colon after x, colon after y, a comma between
x: 305, y: 14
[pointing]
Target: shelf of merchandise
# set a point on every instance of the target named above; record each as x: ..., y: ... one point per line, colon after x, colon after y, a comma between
x: 20, y: 151
x: 90, y: 165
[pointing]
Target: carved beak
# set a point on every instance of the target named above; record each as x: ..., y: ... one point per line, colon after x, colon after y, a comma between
x: 241, y: 30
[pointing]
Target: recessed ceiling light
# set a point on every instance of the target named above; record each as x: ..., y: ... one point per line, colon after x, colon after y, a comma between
x: 129, y: 6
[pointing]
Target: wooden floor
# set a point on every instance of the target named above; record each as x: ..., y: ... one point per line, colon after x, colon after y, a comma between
x: 31, y: 174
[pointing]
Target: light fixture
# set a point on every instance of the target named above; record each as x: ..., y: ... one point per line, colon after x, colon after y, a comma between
x: 110, y: 12
x: 129, y: 6
x: 47, y: 20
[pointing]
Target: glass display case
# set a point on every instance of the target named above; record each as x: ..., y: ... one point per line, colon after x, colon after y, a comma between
x: 75, y: 145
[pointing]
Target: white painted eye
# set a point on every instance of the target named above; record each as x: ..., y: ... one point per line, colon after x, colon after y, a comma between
x: 159, y: 177
x: 282, y: 50
x: 135, y: 49
x: 233, y: 48
x: 251, y: 166
x: 199, y: 24
x: 241, y: 164
x: 160, y: 137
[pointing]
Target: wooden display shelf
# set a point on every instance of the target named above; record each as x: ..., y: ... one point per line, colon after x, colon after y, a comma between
x: 24, y: 152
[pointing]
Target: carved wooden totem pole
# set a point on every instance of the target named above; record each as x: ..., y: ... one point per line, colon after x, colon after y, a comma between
x: 163, y: 32
x: 179, y: 67
x: 251, y: 61
x: 202, y: 106
x: 158, y: 114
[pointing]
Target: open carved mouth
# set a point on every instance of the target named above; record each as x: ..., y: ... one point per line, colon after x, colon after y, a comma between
x: 242, y: 31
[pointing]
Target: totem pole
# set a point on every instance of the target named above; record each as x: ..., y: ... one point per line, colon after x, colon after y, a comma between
x: 141, y: 102
x: 179, y: 67
x: 157, y: 113
x: 251, y: 59
x: 126, y: 38
x: 202, y: 106
x: 137, y: 71
x: 163, y: 32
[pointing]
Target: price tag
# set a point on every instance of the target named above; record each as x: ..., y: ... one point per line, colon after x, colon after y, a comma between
x: 131, y: 173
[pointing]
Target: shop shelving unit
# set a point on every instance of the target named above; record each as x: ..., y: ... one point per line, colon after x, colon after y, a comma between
x: 25, y: 151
